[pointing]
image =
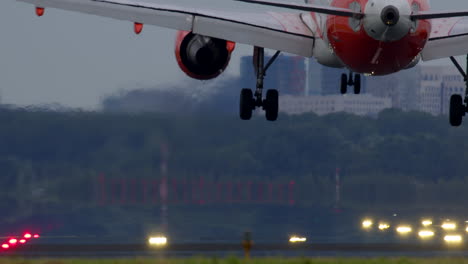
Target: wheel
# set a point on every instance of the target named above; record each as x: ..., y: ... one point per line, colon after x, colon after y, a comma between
x: 344, y: 83
x: 457, y: 110
x: 357, y: 84
x: 271, y: 105
x: 246, y: 104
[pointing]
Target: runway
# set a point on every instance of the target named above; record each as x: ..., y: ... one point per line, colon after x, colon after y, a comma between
x: 232, y: 249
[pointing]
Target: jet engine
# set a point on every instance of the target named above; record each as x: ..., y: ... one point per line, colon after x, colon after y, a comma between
x: 202, y: 57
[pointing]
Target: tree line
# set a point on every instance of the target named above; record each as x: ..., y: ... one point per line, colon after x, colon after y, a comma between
x: 51, y: 159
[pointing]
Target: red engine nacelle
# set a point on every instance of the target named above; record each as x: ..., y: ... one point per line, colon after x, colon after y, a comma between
x: 202, y: 57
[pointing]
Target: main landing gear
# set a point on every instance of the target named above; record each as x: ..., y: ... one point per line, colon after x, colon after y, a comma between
x: 348, y: 80
x: 249, y: 100
x: 459, y: 105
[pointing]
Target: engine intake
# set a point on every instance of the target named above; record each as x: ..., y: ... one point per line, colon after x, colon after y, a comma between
x: 202, y: 57
x: 390, y: 15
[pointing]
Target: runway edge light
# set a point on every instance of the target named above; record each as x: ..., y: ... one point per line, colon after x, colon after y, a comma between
x: 426, y: 222
x: 296, y: 239
x: 157, y: 241
x: 426, y: 234
x: 449, y: 226
x: 367, y: 223
x: 453, y: 239
x: 404, y: 229
x: 383, y: 226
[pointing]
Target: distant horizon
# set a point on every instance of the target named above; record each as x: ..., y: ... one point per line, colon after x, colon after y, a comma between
x: 176, y: 89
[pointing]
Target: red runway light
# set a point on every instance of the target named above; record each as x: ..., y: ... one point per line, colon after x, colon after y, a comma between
x: 22, y: 241
x: 5, y: 246
x: 27, y: 235
x: 36, y: 236
x: 13, y: 241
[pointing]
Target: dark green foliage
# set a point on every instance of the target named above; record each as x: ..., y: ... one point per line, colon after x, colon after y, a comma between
x: 48, y: 159
x: 396, y: 144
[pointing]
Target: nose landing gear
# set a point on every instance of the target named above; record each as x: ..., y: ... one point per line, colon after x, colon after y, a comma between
x: 459, y: 105
x: 348, y: 80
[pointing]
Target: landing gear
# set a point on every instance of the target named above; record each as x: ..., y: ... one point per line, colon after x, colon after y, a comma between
x: 249, y: 101
x: 344, y: 83
x: 457, y: 110
x: 348, y: 80
x: 270, y: 104
x: 458, y: 105
x: 246, y: 105
x: 357, y: 84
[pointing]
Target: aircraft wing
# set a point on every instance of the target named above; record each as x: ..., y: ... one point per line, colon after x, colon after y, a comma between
x: 449, y: 37
x: 279, y: 31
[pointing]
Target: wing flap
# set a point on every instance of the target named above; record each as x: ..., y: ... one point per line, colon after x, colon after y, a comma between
x: 262, y: 29
x: 449, y: 37
x: 444, y: 48
x: 242, y: 34
x: 329, y: 10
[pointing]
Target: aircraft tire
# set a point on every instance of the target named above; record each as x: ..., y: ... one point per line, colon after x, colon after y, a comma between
x: 344, y: 83
x: 246, y: 104
x: 457, y: 110
x: 271, y: 105
x: 357, y: 84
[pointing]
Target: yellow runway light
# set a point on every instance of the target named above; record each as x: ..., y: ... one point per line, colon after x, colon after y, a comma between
x: 466, y: 229
x: 157, y: 241
x: 449, y: 226
x: 384, y: 226
x: 425, y: 234
x: 453, y: 239
x: 426, y: 223
x: 295, y: 239
x: 366, y: 224
x: 404, y: 230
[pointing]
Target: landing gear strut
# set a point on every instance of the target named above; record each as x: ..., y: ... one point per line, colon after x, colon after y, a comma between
x: 249, y: 100
x: 348, y: 80
x: 459, y: 105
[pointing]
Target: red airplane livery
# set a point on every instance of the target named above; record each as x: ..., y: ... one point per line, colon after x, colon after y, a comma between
x: 372, y: 37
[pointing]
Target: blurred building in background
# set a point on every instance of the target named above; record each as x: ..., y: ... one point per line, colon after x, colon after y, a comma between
x: 424, y: 88
x: 399, y: 87
x: 364, y: 104
x: 452, y: 83
x: 305, y: 86
x: 287, y: 74
x: 429, y: 89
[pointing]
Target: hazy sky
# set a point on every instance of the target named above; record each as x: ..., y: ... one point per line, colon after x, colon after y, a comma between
x: 76, y: 59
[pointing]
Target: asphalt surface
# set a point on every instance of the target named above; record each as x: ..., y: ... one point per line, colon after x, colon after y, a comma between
x: 207, y: 249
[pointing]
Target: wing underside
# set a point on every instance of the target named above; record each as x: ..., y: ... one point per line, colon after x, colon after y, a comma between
x: 449, y: 37
x: 279, y: 31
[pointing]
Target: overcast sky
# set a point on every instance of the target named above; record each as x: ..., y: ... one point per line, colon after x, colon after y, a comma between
x: 76, y: 59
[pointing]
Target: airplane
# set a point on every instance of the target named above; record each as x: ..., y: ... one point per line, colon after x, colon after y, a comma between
x: 371, y: 37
